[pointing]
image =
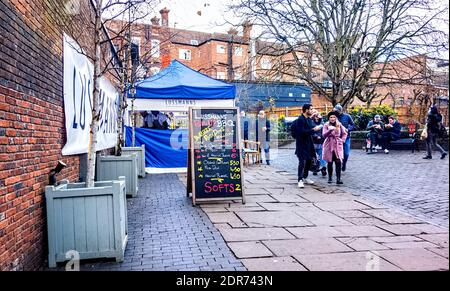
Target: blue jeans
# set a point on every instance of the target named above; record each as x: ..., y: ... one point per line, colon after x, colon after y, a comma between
x: 347, y: 148
x: 319, y: 154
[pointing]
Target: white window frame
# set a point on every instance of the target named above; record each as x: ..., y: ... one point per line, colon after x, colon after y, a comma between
x: 194, y: 42
x: 266, y: 64
x: 185, y: 54
x: 238, y: 51
x: 221, y: 75
x: 221, y: 49
x: 155, y: 52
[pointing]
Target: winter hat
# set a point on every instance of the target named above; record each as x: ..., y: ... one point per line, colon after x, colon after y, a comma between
x: 338, y: 107
x: 332, y: 113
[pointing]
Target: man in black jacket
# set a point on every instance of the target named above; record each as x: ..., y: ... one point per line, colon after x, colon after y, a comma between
x: 302, y: 130
x: 391, y: 132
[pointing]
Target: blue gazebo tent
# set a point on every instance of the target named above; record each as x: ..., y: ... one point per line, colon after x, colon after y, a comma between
x: 174, y: 89
x: 178, y: 81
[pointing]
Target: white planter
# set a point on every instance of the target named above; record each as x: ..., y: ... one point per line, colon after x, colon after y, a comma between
x: 140, y: 153
x: 111, y: 167
x: 90, y: 221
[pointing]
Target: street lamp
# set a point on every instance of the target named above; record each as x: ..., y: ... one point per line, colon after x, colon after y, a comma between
x: 133, y: 117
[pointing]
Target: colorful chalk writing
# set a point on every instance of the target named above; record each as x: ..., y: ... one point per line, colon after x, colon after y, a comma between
x: 215, y: 153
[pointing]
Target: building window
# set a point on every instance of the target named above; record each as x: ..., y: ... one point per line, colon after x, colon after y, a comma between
x: 221, y: 75
x: 116, y: 60
x: 221, y: 49
x: 401, y: 101
x: 155, y: 53
x: 410, y: 101
x: 194, y: 42
x: 185, y: 54
x: 238, y: 51
x: 154, y: 70
x: 135, y: 55
x: 237, y: 76
x: 266, y: 64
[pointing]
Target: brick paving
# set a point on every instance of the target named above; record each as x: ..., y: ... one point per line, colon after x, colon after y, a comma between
x: 166, y: 233
x: 401, y: 180
x: 281, y: 227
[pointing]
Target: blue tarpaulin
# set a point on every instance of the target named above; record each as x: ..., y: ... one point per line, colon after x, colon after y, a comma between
x: 178, y: 81
x: 163, y: 148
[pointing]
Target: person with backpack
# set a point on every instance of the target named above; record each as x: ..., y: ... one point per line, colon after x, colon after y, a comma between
x: 302, y: 129
x: 318, y: 141
x: 434, y: 127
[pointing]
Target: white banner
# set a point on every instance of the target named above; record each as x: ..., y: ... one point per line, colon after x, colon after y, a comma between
x: 78, y: 96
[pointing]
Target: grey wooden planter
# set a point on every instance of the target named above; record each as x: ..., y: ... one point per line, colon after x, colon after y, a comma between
x: 111, y: 167
x: 140, y: 152
x: 90, y: 221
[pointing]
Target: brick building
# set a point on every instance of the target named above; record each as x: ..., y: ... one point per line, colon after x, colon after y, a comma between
x: 32, y: 126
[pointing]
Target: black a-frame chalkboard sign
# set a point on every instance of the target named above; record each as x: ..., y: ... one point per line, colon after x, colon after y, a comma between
x: 214, y: 160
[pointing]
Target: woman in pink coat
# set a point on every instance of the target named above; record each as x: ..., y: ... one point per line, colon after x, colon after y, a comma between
x: 334, y: 134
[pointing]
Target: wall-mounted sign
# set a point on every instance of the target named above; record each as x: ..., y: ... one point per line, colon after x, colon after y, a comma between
x: 78, y: 96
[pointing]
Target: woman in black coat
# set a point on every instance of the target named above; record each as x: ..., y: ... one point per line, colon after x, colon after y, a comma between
x: 434, y: 124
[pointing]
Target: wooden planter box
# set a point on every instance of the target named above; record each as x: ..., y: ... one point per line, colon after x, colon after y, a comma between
x: 112, y: 167
x: 91, y: 221
x: 140, y: 153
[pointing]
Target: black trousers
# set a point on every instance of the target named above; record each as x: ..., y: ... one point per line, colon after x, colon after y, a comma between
x: 387, y: 137
x: 303, y: 168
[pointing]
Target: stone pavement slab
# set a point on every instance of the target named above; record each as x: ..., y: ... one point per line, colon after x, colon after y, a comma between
x: 415, y: 259
x: 273, y: 264
x: 306, y: 246
x: 273, y: 218
x: 252, y: 249
x: 254, y: 234
x: 314, y: 232
x: 439, y: 239
x: 362, y: 244
x: 354, y: 261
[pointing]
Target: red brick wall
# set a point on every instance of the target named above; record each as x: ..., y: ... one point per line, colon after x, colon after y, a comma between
x: 32, y: 129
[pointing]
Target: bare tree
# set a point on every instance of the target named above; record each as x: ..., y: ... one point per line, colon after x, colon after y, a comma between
x: 89, y: 32
x: 345, y: 43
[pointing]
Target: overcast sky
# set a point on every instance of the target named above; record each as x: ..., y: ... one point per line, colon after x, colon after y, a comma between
x: 200, y: 15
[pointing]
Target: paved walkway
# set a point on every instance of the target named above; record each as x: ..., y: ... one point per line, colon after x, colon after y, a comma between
x: 282, y: 227
x: 166, y: 233
x: 401, y: 180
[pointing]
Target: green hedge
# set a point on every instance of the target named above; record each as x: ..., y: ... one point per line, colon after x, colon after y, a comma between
x: 361, y: 115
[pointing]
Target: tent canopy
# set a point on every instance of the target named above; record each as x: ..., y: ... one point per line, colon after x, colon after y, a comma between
x: 178, y: 81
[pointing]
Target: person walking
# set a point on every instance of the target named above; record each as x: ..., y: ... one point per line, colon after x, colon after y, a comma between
x: 244, y: 125
x: 347, y: 121
x: 334, y: 134
x: 434, y: 124
x: 318, y: 141
x: 262, y: 134
x: 302, y: 129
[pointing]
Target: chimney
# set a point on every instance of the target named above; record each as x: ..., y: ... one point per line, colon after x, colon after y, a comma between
x: 164, y: 16
x: 232, y: 31
x: 247, y: 30
x: 155, y: 20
